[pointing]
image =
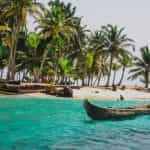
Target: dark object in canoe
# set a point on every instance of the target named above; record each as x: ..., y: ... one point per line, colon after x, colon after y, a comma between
x: 100, y: 113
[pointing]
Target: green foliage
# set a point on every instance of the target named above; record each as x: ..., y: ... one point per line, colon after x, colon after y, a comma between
x: 89, y: 59
x: 61, y: 48
x: 3, y: 52
x: 65, y: 66
x: 116, y: 66
x: 58, y: 24
x: 116, y: 44
x: 13, y: 15
x: 33, y: 40
x: 142, y: 66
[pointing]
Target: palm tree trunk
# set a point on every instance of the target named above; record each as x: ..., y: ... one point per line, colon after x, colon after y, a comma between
x: 122, y: 76
x: 12, y: 54
x: 110, y: 68
x: 1, y: 74
x: 24, y: 76
x: 96, y: 79
x: 146, y: 79
x: 91, y: 80
x: 57, y: 79
x: 88, y: 83
x: 114, y: 78
x: 62, y: 80
x: 77, y: 82
x: 65, y: 80
x: 43, y: 60
x: 83, y: 83
x: 99, y: 79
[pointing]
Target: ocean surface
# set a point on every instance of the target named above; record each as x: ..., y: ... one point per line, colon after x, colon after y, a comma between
x: 43, y: 124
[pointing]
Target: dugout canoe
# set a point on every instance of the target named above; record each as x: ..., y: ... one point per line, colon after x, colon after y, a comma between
x: 101, y: 113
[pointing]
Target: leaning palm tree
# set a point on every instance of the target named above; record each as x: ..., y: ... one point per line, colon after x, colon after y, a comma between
x: 142, y: 66
x: 116, y: 44
x: 14, y: 13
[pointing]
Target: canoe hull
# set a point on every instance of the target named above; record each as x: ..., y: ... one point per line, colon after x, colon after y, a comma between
x: 100, y: 113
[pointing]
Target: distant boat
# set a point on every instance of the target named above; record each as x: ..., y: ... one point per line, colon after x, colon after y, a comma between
x: 100, y: 113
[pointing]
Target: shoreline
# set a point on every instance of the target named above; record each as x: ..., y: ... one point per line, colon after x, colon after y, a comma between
x: 105, y: 94
x: 94, y: 94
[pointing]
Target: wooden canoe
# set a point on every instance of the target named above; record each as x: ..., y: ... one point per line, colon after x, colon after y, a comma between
x: 100, y: 113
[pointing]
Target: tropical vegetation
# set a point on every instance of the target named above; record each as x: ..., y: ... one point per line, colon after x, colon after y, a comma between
x: 62, y: 50
x: 142, y: 66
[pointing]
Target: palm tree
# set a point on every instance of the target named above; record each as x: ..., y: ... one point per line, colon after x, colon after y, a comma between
x: 89, y: 64
x: 14, y: 13
x: 96, y: 45
x: 115, y: 68
x: 102, y: 68
x: 125, y: 61
x: 142, y: 68
x: 29, y: 51
x: 65, y: 68
x: 96, y: 42
x: 116, y: 44
x: 58, y: 26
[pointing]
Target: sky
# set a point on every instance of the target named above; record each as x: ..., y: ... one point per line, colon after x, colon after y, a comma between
x: 134, y: 15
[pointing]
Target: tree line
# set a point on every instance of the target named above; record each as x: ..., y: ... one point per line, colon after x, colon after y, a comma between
x: 62, y: 50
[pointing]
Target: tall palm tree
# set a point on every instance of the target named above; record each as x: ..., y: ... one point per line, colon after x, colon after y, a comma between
x: 14, y: 12
x: 58, y: 25
x: 142, y: 68
x: 29, y: 51
x: 116, y: 44
x: 96, y: 45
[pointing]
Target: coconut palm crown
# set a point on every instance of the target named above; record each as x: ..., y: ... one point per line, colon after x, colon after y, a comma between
x: 142, y: 68
x: 116, y: 44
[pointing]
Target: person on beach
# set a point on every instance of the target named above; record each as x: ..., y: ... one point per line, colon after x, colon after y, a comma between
x: 121, y: 98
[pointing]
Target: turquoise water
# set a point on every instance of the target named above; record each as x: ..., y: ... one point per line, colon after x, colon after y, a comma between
x: 42, y: 124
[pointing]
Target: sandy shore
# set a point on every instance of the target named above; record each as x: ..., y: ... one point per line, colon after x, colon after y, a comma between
x: 104, y: 94
x: 100, y: 94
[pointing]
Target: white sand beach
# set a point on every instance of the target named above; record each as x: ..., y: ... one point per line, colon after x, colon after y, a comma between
x: 104, y: 94
x: 101, y: 94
